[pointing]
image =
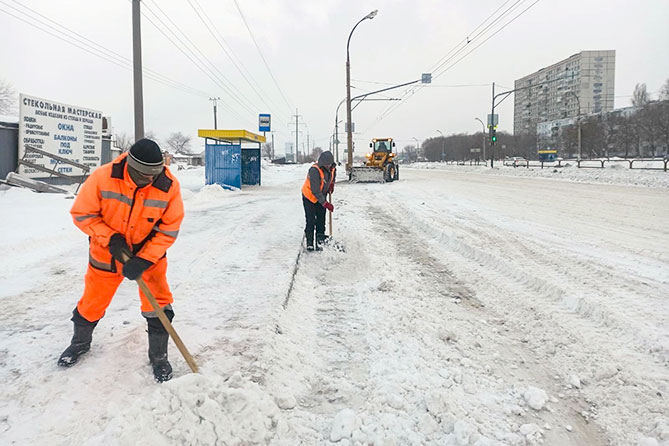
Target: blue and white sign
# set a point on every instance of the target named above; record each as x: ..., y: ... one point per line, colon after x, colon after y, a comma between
x: 264, y: 123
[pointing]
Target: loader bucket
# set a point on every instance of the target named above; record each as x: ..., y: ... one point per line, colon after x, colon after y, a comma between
x: 366, y: 175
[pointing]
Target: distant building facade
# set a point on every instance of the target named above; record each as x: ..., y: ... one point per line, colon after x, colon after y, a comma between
x: 579, y: 85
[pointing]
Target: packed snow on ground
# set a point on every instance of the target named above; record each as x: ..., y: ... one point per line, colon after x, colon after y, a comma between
x: 466, y: 309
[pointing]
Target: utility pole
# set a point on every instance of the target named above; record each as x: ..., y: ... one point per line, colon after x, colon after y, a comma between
x: 214, y: 101
x: 272, y: 145
x: 297, y: 133
x: 308, y: 151
x: 137, y: 70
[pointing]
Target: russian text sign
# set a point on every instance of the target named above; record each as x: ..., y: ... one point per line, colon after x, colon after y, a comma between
x: 68, y: 131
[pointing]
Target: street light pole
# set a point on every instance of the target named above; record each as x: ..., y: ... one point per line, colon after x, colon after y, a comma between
x: 483, y: 125
x: 492, y: 117
x: 416, y: 139
x: 442, y: 145
x: 578, y: 122
x: 349, y: 142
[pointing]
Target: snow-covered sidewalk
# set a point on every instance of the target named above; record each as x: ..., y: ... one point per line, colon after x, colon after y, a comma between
x: 468, y: 309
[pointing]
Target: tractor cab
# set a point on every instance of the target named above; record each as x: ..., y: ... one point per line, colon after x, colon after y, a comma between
x: 382, y: 153
x: 381, y: 145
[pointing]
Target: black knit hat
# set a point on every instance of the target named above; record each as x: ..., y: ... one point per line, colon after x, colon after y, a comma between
x: 145, y: 156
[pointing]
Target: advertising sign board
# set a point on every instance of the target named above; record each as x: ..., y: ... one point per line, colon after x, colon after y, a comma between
x: 68, y: 131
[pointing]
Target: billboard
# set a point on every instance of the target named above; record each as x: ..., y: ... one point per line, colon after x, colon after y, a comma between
x: 264, y: 123
x: 67, y: 131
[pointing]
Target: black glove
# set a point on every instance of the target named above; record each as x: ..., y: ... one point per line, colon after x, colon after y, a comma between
x: 118, y: 247
x: 134, y: 267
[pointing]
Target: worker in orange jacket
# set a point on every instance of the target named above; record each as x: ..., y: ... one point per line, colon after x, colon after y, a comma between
x: 130, y: 207
x: 319, y: 182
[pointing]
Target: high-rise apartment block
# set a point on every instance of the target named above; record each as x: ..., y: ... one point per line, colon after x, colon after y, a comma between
x: 579, y: 85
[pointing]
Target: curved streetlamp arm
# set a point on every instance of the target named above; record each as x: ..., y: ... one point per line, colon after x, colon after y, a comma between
x: 348, y: 42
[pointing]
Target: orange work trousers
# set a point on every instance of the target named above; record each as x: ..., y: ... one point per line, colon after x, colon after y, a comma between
x: 102, y: 285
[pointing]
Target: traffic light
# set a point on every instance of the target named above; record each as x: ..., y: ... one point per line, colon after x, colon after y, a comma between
x: 493, y: 134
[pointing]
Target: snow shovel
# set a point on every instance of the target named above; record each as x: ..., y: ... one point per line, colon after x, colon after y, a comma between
x: 333, y: 243
x: 165, y: 321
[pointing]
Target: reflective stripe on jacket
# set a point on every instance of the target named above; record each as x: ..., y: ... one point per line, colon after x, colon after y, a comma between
x: 109, y: 202
x: 312, y: 180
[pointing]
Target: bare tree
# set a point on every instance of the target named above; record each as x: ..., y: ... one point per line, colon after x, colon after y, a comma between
x: 316, y: 153
x: 657, y: 125
x: 568, y: 140
x: 409, y: 152
x: 640, y: 95
x: 267, y: 151
x: 179, y: 143
x: 123, y: 141
x: 593, y: 137
x: 8, y: 99
x: 150, y: 134
x: 664, y: 91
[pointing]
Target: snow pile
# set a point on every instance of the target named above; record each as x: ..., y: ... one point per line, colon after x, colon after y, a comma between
x: 195, y: 410
x: 611, y: 174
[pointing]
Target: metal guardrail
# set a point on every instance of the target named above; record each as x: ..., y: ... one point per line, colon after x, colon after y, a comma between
x: 581, y: 164
x: 602, y: 162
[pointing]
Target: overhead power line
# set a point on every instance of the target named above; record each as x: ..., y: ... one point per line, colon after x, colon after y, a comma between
x: 457, y: 50
x: 65, y: 34
x: 276, y: 83
x: 487, y: 38
x: 467, y: 40
x: 444, y: 62
x: 199, y: 64
x: 236, y: 61
x: 201, y: 61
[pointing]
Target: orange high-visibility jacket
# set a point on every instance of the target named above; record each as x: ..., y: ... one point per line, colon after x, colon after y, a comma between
x: 306, y: 187
x: 109, y: 202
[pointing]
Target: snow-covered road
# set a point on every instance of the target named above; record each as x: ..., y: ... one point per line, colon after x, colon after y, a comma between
x: 467, y: 309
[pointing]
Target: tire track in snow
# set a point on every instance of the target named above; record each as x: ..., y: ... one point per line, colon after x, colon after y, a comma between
x: 571, y: 339
x: 510, y: 358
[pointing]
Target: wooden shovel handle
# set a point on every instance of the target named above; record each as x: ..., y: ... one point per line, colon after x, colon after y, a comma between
x: 330, y: 215
x: 166, y: 322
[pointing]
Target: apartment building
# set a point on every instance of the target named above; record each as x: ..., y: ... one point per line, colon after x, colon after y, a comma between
x: 579, y: 85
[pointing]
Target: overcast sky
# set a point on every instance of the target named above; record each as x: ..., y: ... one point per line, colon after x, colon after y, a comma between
x: 304, y: 44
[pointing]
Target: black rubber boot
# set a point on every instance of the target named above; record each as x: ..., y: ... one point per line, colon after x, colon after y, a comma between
x: 158, y: 340
x: 321, y: 239
x: 81, y: 341
x: 310, y: 241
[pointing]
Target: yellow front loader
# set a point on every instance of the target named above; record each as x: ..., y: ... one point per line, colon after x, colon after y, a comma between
x: 380, y: 166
